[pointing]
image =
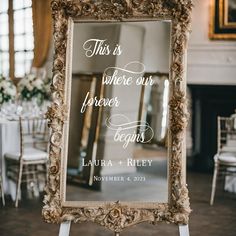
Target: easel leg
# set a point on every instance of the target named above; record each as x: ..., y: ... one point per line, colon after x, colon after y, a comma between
x: 65, y: 228
x: 183, y: 230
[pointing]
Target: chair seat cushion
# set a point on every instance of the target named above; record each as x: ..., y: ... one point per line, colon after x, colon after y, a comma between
x: 30, y: 154
x: 227, y: 157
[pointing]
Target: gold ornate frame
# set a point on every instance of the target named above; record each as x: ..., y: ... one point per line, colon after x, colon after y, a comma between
x: 221, y: 21
x: 118, y: 215
x: 224, y: 12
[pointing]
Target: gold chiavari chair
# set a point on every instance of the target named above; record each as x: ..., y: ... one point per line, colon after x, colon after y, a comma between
x: 40, y: 134
x: 29, y: 164
x: 225, y: 158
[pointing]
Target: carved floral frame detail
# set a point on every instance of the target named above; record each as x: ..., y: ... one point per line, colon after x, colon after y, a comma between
x: 117, y: 216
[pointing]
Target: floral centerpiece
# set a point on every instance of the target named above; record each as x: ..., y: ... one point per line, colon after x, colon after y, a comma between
x: 7, y: 90
x: 32, y: 86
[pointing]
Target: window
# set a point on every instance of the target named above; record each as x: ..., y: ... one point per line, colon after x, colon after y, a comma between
x: 4, y: 39
x: 16, y: 37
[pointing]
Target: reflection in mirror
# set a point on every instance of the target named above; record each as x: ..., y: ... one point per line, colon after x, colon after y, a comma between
x: 82, y: 124
x: 154, y: 107
x: 118, y: 130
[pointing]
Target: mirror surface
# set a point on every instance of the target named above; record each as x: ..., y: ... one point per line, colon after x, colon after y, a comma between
x: 118, y: 127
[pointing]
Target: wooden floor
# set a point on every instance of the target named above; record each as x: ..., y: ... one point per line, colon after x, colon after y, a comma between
x: 218, y: 220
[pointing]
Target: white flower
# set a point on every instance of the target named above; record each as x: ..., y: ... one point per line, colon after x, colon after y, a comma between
x: 31, y: 82
x: 47, y: 88
x: 38, y: 83
x: 5, y: 84
x: 12, y: 91
x: 30, y: 77
x: 29, y: 87
x: 7, y: 88
x: 22, y: 82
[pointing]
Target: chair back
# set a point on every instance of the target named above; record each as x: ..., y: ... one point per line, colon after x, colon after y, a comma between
x: 226, y: 136
x: 33, y: 132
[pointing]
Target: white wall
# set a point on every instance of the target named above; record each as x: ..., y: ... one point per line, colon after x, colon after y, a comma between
x: 157, y: 46
x: 209, y: 62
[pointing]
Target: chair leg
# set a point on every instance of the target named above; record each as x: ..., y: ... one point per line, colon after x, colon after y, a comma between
x: 37, y: 177
x: 46, y: 172
x: 213, y: 188
x: 27, y: 178
x: 2, y: 191
x: 19, y: 184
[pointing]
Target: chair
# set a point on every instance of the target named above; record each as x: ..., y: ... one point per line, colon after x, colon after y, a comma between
x: 28, y: 164
x: 2, y: 189
x: 225, y: 158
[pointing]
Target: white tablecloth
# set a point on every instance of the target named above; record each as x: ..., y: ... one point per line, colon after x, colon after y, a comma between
x: 9, y: 142
x: 230, y: 181
x: 230, y: 184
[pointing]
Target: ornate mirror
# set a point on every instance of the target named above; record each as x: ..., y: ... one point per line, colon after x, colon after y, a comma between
x: 118, y: 117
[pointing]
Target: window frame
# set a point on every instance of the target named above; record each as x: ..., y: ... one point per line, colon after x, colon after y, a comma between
x: 11, y: 40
